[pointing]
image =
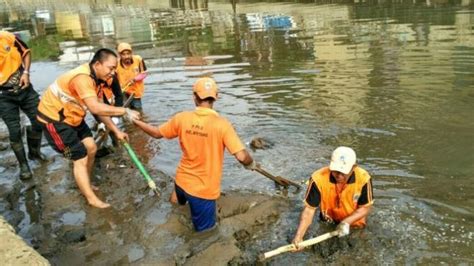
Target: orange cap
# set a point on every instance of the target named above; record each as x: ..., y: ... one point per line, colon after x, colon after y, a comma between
x: 205, y: 87
x: 124, y: 46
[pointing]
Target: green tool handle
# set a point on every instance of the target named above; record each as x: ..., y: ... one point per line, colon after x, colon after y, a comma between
x: 137, y: 162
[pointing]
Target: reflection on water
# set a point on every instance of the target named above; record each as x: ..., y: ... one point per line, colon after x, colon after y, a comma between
x: 394, y: 80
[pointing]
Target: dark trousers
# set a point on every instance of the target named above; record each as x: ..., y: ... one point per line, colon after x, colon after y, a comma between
x: 10, y: 104
x: 135, y: 103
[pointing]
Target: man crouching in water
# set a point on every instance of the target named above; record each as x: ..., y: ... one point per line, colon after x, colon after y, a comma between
x: 343, y: 192
x: 62, y: 110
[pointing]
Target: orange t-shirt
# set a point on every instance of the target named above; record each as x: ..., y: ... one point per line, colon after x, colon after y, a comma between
x: 203, y: 135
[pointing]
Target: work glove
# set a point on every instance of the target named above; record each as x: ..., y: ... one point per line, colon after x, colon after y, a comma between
x: 101, y: 127
x: 131, y: 115
x: 343, y: 229
x: 116, y: 120
x: 252, y: 166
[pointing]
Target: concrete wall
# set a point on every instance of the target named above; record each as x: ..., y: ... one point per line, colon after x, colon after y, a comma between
x: 14, y: 251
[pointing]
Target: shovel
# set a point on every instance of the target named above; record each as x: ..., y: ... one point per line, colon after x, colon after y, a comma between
x: 136, y: 161
x: 278, y: 179
x: 292, y: 247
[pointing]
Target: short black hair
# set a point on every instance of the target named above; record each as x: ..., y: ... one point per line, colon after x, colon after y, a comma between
x: 208, y: 99
x: 102, y: 54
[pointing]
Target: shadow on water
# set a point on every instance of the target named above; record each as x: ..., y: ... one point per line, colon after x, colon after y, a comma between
x: 393, y: 80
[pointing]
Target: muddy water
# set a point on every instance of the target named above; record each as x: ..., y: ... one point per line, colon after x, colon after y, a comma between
x: 393, y: 80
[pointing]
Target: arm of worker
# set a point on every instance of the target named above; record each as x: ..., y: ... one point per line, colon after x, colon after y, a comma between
x: 311, y: 201
x: 235, y: 147
x: 245, y: 159
x: 358, y: 214
x: 364, y: 202
x: 101, y: 109
x: 111, y: 125
x: 305, y: 221
x: 168, y: 130
x: 84, y: 86
x: 98, y: 108
x: 26, y: 60
x: 343, y: 228
x: 149, y: 129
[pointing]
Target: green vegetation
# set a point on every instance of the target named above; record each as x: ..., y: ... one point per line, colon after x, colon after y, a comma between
x: 46, y: 47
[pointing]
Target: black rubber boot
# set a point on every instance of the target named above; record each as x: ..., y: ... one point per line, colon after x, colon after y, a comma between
x: 25, y: 172
x: 34, y: 145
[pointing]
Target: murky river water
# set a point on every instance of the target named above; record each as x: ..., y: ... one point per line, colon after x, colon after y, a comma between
x: 393, y: 80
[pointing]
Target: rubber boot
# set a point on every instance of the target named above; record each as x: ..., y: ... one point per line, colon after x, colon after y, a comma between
x: 34, y: 145
x: 25, y: 172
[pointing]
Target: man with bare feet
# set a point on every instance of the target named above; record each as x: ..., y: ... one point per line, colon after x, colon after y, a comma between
x: 63, y: 107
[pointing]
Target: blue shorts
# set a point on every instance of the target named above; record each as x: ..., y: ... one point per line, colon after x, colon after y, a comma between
x: 203, y: 211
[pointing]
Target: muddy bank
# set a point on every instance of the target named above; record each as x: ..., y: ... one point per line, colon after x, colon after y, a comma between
x: 55, y: 219
x: 141, y: 228
x: 13, y: 249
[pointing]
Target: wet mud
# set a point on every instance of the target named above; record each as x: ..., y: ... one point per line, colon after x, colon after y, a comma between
x: 259, y: 143
x: 55, y: 219
x: 52, y: 216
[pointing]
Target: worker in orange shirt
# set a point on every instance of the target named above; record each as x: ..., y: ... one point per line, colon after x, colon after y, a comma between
x: 343, y: 193
x: 112, y: 96
x: 113, y: 93
x: 16, y: 92
x: 129, y: 67
x: 61, y: 113
x: 203, y: 136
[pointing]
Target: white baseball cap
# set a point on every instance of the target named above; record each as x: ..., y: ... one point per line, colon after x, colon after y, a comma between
x: 342, y: 160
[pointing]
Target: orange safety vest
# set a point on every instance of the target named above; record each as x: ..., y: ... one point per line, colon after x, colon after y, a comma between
x: 330, y: 209
x: 128, y: 73
x: 10, y: 57
x: 60, y: 104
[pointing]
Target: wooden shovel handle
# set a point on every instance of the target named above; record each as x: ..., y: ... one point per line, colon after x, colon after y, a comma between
x: 292, y: 247
x: 280, y: 180
x: 129, y: 100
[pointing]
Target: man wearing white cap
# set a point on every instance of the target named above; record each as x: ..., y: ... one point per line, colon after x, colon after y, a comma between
x: 343, y: 192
